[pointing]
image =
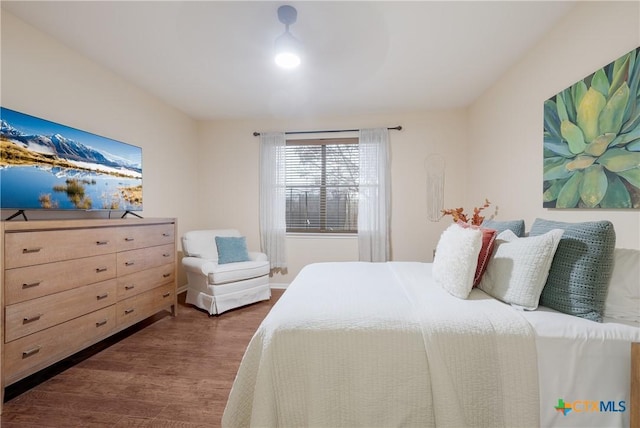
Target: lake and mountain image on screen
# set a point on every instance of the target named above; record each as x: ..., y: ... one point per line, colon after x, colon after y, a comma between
x: 45, y: 165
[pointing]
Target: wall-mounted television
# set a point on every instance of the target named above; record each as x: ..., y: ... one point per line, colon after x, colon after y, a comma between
x: 49, y: 166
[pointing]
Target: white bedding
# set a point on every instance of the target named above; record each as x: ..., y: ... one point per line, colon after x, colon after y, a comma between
x: 354, y: 344
x: 582, y: 360
x: 358, y: 344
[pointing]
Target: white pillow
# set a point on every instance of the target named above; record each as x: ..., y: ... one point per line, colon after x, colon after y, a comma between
x: 623, y: 298
x: 518, y: 270
x: 456, y: 259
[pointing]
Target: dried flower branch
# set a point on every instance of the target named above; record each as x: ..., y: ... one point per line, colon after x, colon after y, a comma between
x: 458, y: 214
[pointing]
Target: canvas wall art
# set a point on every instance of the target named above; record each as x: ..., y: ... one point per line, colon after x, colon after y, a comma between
x: 592, y: 140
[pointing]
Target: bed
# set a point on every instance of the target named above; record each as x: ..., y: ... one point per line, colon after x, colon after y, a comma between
x: 383, y: 344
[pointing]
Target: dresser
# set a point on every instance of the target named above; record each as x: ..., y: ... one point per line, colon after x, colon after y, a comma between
x: 68, y: 284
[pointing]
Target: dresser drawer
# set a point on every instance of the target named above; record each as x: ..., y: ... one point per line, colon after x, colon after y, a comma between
x: 37, y: 247
x: 139, y: 282
x: 28, y: 354
x: 137, y: 308
x: 34, y: 315
x: 132, y: 238
x: 145, y: 258
x: 30, y: 282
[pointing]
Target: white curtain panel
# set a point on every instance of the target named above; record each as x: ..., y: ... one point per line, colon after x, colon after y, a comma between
x: 374, y: 208
x: 273, y: 227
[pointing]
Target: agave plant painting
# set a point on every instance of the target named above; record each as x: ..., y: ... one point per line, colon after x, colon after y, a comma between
x: 592, y: 140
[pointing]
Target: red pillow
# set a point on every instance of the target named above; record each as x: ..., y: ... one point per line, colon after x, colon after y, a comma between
x: 488, y: 241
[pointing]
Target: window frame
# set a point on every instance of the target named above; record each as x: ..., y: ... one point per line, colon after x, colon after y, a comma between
x: 322, y: 230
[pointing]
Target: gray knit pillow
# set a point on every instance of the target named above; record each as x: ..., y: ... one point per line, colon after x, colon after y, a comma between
x: 516, y: 226
x: 581, y: 269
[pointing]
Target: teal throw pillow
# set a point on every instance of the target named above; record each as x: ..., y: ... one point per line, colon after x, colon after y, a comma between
x: 579, y: 276
x: 516, y: 226
x: 232, y: 249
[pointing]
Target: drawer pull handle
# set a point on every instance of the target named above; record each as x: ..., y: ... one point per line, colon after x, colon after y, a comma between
x: 129, y: 239
x: 128, y: 311
x: 31, y: 250
x: 166, y: 235
x: 129, y: 287
x: 101, y: 269
x: 166, y: 295
x: 166, y: 255
x: 102, y: 242
x: 129, y: 263
x: 101, y: 323
x: 166, y: 275
x: 27, y: 320
x: 30, y: 284
x: 30, y: 352
x: 102, y: 296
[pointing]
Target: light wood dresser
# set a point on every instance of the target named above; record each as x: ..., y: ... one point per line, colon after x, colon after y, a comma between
x: 68, y: 284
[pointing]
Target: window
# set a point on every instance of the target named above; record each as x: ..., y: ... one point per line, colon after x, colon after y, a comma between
x: 322, y: 185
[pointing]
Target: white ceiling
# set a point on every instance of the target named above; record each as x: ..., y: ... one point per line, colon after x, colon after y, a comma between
x: 212, y: 59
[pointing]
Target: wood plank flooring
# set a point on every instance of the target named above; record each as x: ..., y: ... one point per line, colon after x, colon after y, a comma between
x: 168, y: 372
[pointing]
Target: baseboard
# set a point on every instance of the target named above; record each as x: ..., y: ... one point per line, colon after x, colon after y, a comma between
x: 278, y: 285
x: 181, y: 289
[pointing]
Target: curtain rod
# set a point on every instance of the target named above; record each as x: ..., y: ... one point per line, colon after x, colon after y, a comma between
x: 396, y: 128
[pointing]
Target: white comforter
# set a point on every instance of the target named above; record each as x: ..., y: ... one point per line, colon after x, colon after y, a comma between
x: 359, y: 344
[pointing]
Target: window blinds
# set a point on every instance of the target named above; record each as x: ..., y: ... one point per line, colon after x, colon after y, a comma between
x: 322, y: 185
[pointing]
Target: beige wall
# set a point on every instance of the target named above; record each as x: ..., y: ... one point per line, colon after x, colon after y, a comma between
x: 229, y: 171
x: 43, y: 78
x: 206, y: 173
x: 506, y: 122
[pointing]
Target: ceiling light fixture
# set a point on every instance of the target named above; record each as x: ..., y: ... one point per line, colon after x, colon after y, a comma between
x: 287, y: 47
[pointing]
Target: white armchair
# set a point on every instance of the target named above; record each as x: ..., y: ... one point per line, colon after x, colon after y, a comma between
x: 216, y: 287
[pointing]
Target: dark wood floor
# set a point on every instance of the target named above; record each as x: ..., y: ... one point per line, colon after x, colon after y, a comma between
x: 174, y: 372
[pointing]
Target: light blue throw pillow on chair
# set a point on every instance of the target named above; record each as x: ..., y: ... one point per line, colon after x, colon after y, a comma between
x: 516, y: 226
x: 232, y: 249
x: 579, y: 276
